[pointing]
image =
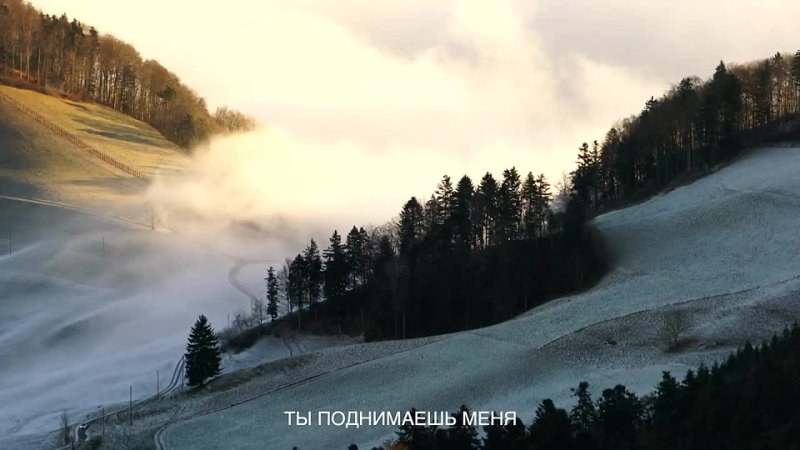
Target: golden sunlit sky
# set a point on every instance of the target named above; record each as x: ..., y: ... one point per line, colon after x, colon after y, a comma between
x: 420, y: 88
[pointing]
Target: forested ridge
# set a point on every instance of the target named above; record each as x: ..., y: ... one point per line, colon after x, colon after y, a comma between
x: 693, y: 127
x: 473, y: 254
x: 57, y: 55
x: 469, y: 256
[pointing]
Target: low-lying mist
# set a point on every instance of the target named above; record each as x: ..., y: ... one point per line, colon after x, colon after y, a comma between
x: 273, y: 185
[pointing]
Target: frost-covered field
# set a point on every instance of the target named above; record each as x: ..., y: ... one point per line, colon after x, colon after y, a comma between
x: 723, y: 248
x: 80, y: 322
x: 90, y: 306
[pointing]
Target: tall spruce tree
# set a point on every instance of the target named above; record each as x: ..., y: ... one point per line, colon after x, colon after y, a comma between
x: 510, y: 205
x: 202, y: 359
x: 487, y: 210
x: 529, y: 195
x: 541, y: 206
x: 354, y: 255
x: 463, y: 212
x: 313, y: 272
x: 272, y: 293
x: 445, y: 197
x: 365, y: 258
x: 410, y: 229
x: 335, y: 275
x: 296, y: 288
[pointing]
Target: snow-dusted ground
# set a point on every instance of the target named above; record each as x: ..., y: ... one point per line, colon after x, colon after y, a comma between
x: 270, y: 348
x: 723, y: 248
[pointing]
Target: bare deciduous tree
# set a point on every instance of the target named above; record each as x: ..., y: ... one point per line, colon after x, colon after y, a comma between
x: 676, y: 323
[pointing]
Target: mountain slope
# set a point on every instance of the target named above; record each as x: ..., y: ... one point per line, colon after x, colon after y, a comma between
x: 723, y: 249
x: 37, y: 162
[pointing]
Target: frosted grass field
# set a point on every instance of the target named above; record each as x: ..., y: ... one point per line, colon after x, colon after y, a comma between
x: 724, y: 247
x: 79, y: 324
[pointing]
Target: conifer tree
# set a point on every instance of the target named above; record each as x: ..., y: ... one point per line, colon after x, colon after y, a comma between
x: 433, y: 216
x: 354, y: 256
x: 367, y: 253
x: 410, y: 228
x: 272, y: 293
x: 529, y: 194
x: 582, y: 175
x: 445, y: 198
x: 583, y: 413
x: 312, y: 272
x: 296, y: 286
x: 462, y: 435
x: 551, y: 428
x: 486, y: 210
x: 510, y: 205
x: 463, y: 212
x: 335, y: 275
x: 541, y: 206
x: 202, y: 359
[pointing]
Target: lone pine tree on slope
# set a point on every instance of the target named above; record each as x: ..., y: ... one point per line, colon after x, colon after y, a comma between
x: 202, y: 360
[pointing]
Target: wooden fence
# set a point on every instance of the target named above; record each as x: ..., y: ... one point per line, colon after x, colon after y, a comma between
x: 73, y: 139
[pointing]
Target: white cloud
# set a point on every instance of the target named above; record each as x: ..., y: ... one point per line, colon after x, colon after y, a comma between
x: 395, y: 94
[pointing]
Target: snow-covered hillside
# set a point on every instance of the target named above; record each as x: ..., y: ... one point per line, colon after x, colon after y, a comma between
x: 724, y: 248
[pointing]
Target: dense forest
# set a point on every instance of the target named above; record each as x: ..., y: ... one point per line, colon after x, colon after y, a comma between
x: 747, y: 402
x: 472, y: 255
x: 693, y: 127
x: 56, y: 54
x: 467, y: 257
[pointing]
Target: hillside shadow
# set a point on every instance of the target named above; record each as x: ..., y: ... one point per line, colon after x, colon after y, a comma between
x: 110, y: 114
x: 14, y: 187
x: 117, y: 185
x: 112, y: 128
x: 119, y: 132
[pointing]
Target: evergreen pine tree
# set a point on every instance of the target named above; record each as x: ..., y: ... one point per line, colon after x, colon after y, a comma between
x: 335, y: 276
x: 551, y: 429
x: 272, y: 293
x: 463, y: 212
x: 433, y: 216
x: 312, y: 272
x: 445, y: 197
x: 354, y: 256
x: 510, y: 205
x: 529, y: 194
x: 583, y: 413
x: 296, y: 287
x: 486, y: 210
x: 410, y: 228
x: 462, y: 435
x: 202, y: 359
x: 541, y: 207
x: 365, y: 258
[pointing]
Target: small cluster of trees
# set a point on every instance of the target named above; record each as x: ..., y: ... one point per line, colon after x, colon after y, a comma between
x: 691, y: 128
x: 260, y: 308
x: 748, y: 401
x: 63, y: 55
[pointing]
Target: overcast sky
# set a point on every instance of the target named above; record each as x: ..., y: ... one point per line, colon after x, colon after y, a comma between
x: 459, y: 86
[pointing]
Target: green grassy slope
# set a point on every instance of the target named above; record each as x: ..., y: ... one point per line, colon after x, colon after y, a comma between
x: 36, y: 162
